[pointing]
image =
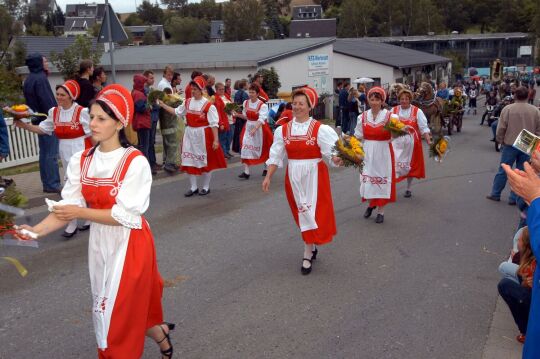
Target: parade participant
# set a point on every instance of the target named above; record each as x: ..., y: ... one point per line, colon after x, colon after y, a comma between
x: 201, y: 152
x: 306, y: 141
x: 187, y: 91
x: 258, y: 80
x: 114, y: 179
x: 256, y: 136
x: 225, y: 120
x: 286, y: 116
x: 408, y: 154
x: 377, y: 180
x: 69, y: 122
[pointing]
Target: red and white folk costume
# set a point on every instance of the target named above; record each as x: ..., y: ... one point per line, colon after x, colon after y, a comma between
x: 307, y: 182
x: 254, y: 149
x: 377, y: 180
x: 125, y: 282
x: 408, y: 149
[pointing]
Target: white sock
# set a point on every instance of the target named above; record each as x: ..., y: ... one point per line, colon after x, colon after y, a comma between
x: 206, y: 180
x: 72, y: 226
x: 193, y: 182
x: 409, y: 182
x: 246, y: 169
x: 380, y: 210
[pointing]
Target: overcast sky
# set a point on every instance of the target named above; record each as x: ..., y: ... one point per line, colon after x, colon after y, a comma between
x: 118, y: 5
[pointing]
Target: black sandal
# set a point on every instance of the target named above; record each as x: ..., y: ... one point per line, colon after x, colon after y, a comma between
x: 304, y: 270
x: 168, y: 352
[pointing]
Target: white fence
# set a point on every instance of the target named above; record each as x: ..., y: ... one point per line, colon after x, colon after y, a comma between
x: 23, y: 146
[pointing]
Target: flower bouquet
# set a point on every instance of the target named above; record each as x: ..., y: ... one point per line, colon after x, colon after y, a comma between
x: 350, y: 150
x: 173, y: 100
x: 396, y: 127
x: 22, y: 111
x: 439, y: 149
x: 231, y: 106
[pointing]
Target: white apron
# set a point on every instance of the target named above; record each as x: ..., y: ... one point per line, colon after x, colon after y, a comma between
x: 403, y: 151
x: 376, y: 176
x: 304, y: 176
x: 194, y: 147
x: 252, y: 144
x: 67, y: 148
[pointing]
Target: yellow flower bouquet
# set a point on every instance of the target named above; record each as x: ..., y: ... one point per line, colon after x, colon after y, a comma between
x: 22, y: 111
x: 440, y: 148
x: 396, y: 127
x: 351, y: 152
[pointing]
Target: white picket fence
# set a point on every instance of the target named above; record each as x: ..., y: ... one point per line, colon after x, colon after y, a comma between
x: 23, y: 146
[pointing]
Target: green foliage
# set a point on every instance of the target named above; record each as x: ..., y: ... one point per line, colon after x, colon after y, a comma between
x: 242, y: 19
x: 206, y: 9
x: 10, y: 86
x: 271, y: 82
x: 68, y: 61
x: 333, y: 12
x: 7, y: 24
x: 38, y: 30
x: 174, y: 4
x: 458, y: 61
x: 149, y: 37
x: 285, y: 24
x: 518, y: 15
x: 133, y: 20
x: 187, y: 30
x: 19, y: 54
x: 150, y: 14
x: 356, y: 18
x: 12, y: 197
x: 94, y: 30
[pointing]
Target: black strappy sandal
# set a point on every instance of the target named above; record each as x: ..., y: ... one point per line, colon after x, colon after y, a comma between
x: 168, y: 352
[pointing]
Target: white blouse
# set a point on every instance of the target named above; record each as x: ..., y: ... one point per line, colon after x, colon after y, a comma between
x: 133, y: 197
x: 326, y: 139
x: 420, y: 118
x: 263, y: 112
x: 381, y: 117
x: 47, y: 125
x: 197, y: 105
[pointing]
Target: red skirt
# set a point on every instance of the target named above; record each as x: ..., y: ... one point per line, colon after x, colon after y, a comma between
x: 138, y: 302
x: 214, y: 158
x: 324, y: 213
x: 381, y: 202
x: 418, y: 168
x: 268, y: 138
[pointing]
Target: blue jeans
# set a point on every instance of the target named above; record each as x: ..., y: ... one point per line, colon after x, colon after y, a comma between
x: 494, y: 128
x: 48, y: 162
x: 509, y: 155
x: 518, y: 299
x: 143, y: 135
x: 353, y: 118
x: 509, y: 270
x: 344, y: 120
x: 152, y: 144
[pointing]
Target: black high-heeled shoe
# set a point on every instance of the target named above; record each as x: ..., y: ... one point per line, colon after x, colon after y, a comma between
x: 243, y: 175
x: 368, y: 212
x: 314, y: 254
x: 168, y: 352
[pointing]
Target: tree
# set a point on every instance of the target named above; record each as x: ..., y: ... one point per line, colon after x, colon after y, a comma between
x: 133, y: 20
x: 456, y: 16
x: 518, y: 15
x: 458, y: 61
x: 19, y: 54
x: 10, y: 86
x: 150, y: 14
x: 174, y: 4
x: 7, y: 23
x: 58, y: 17
x: 38, y: 30
x: 271, y: 82
x: 242, y: 20
x: 272, y: 19
x: 333, y: 12
x: 328, y: 3
x: 82, y: 48
x: 187, y: 30
x: 149, y: 37
x: 356, y: 18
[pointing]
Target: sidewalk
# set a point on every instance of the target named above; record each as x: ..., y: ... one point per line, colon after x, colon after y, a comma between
x: 501, y: 342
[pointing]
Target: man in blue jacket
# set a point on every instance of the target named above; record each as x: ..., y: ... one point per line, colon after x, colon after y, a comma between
x: 4, y: 138
x: 40, y: 98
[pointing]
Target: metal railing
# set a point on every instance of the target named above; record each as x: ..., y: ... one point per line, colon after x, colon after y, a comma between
x: 23, y: 146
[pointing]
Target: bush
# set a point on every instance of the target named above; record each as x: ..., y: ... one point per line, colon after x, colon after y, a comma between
x: 271, y: 82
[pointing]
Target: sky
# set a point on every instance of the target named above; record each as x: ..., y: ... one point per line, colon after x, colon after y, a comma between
x: 120, y: 6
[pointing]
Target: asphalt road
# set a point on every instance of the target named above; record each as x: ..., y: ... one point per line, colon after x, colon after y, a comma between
x: 421, y: 285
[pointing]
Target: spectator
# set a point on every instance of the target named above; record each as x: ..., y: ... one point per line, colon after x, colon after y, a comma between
x: 165, y: 82
x: 4, y: 138
x: 224, y: 129
x: 362, y: 98
x: 40, y: 98
x: 516, y: 286
x: 354, y: 109
x: 239, y: 97
x: 228, y: 91
x: 98, y: 79
x: 86, y: 69
x: 210, y: 82
x: 175, y: 82
x: 259, y: 79
x: 532, y: 94
x: 142, y: 122
x: 337, y: 90
x: 514, y: 118
x: 344, y: 107
x: 154, y: 116
x: 187, y: 91
x: 443, y: 92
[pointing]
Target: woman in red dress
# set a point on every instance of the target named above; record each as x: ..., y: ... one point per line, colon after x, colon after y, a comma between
x: 256, y: 136
x: 306, y: 141
x: 114, y: 180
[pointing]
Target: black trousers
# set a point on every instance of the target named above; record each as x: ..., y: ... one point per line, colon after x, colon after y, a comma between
x: 518, y: 299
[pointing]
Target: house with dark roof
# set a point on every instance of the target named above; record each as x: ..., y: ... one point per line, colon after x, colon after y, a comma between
x: 217, y: 30
x: 139, y: 31
x: 97, y: 11
x: 45, y: 45
x: 307, y: 21
x: 74, y: 26
x: 307, y: 12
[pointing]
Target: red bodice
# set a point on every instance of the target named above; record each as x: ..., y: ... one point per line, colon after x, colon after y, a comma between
x: 253, y: 114
x: 412, y: 120
x: 197, y: 118
x: 375, y: 132
x: 303, y: 147
x: 71, y: 129
x: 100, y: 193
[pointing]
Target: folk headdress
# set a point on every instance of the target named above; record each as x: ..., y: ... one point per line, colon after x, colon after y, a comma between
x: 377, y: 90
x: 200, y: 82
x: 311, y: 94
x: 72, y: 88
x: 119, y: 100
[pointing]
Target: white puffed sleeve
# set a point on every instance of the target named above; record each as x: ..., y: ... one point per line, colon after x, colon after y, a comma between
x: 277, y: 150
x: 47, y: 125
x: 71, y: 193
x: 181, y: 110
x: 213, y: 116
x: 84, y: 119
x: 244, y: 107
x: 326, y: 138
x: 359, y: 129
x: 133, y: 196
x: 263, y: 114
x: 422, y: 122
